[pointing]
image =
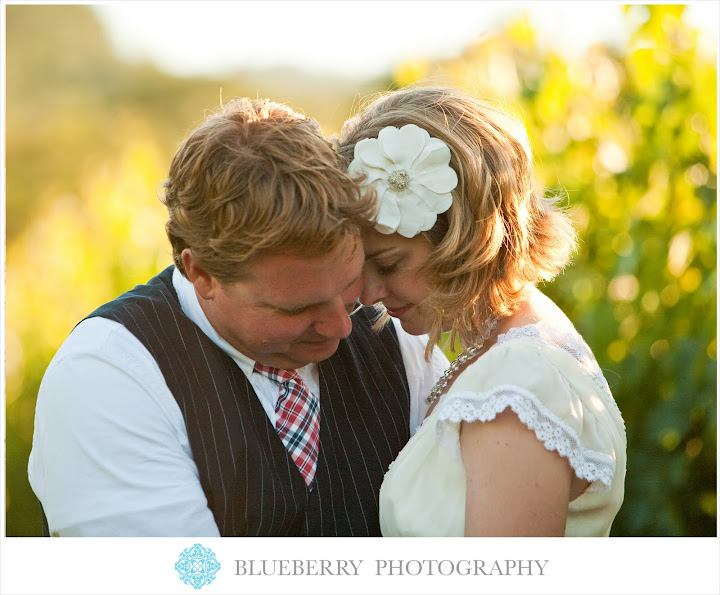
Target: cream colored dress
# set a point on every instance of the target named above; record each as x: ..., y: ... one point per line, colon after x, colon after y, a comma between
x: 554, y: 385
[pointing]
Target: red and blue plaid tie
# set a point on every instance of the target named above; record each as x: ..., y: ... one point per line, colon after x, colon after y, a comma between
x: 298, y: 423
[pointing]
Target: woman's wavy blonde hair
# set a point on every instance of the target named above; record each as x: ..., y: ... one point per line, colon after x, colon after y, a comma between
x: 257, y: 177
x: 500, y: 233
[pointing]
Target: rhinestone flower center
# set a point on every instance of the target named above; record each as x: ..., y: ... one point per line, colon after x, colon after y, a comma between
x: 399, y: 180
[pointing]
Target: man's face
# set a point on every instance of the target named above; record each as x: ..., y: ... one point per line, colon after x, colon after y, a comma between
x: 291, y: 310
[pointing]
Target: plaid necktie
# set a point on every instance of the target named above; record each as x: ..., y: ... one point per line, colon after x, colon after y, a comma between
x: 298, y: 423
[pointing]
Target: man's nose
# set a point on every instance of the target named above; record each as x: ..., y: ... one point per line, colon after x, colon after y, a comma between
x: 335, y: 322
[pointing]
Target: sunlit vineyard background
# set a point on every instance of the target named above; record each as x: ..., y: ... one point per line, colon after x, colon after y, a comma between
x: 628, y: 134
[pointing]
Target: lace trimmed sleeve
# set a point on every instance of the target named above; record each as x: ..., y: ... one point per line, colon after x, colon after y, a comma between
x: 557, y: 404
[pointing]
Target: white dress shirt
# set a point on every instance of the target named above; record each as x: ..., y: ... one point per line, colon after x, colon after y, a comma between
x: 105, y: 411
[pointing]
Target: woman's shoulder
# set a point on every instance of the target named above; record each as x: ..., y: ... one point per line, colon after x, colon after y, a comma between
x: 527, y: 355
x: 560, y: 345
x: 550, y: 380
x: 554, y: 363
x: 538, y: 353
x: 537, y: 342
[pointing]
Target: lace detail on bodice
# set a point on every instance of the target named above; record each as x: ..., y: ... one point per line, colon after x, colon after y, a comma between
x: 595, y: 467
x: 572, y: 343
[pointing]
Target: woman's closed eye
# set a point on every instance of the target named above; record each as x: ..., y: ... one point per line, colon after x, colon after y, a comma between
x: 387, y: 269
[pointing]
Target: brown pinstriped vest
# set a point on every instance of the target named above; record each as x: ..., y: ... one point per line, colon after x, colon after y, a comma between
x: 251, y: 483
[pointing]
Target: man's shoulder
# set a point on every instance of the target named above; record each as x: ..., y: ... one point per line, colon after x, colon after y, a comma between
x: 117, y: 328
x: 95, y: 335
x: 98, y: 339
x: 158, y: 290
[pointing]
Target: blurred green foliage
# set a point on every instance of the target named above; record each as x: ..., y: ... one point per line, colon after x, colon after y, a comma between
x: 629, y: 134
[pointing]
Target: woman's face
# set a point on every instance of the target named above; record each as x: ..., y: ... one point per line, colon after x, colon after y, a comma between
x: 393, y: 275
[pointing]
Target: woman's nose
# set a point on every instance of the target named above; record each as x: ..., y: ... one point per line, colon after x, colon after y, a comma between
x: 373, y: 288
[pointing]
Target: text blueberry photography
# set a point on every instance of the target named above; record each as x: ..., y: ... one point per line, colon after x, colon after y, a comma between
x: 197, y: 566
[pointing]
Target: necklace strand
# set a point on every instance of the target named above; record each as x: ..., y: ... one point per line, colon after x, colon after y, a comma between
x: 461, y: 359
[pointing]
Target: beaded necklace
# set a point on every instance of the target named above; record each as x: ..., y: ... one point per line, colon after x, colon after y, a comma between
x: 461, y: 359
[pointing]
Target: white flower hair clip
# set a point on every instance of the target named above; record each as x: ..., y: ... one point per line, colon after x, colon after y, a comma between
x: 411, y: 173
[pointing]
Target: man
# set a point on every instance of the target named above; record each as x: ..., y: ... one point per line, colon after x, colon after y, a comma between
x: 238, y: 392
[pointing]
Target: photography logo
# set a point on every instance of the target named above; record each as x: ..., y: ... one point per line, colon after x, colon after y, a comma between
x: 197, y: 566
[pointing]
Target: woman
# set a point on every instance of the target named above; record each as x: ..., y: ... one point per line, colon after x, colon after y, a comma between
x: 522, y: 436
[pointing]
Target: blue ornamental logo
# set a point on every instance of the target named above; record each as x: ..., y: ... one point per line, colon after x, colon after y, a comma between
x: 197, y: 566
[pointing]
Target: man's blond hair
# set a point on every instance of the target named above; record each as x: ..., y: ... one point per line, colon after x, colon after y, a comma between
x: 256, y: 177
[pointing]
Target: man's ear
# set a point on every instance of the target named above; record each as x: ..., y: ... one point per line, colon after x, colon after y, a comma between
x: 203, y: 281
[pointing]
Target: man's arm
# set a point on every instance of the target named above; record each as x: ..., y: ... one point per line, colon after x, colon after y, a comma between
x: 110, y: 451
